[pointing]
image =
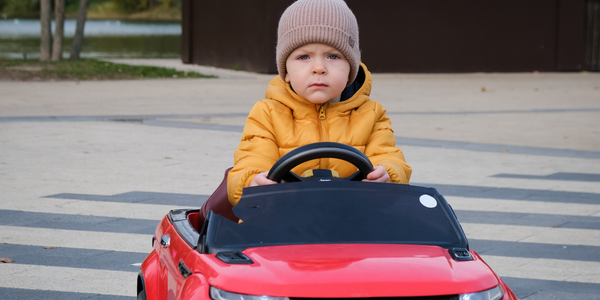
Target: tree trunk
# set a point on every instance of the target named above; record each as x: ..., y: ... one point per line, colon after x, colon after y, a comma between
x: 59, y: 15
x: 46, y: 36
x: 78, y: 39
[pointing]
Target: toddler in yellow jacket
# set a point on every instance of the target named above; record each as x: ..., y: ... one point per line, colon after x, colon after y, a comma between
x: 321, y: 95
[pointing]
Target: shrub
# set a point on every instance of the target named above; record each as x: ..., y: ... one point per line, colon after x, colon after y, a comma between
x: 129, y: 6
x: 20, y: 7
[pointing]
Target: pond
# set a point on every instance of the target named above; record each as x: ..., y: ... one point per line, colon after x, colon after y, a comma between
x: 102, y: 39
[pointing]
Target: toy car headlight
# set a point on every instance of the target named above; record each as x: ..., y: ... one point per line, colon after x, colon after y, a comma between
x: 492, y: 294
x: 217, y: 294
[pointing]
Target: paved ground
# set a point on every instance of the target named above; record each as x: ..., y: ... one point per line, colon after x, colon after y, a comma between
x: 87, y: 169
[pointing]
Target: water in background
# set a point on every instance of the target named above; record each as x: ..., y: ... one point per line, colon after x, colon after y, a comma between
x: 102, y: 39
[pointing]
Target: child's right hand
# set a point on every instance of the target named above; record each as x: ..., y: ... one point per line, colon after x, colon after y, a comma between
x: 261, y: 179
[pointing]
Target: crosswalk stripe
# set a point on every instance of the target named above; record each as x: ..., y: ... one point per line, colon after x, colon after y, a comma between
x: 129, y: 242
x: 532, y: 234
x: 140, y: 243
x: 158, y: 211
x: 545, y: 269
x: 91, y: 208
x: 518, y: 206
x: 63, y: 279
x: 76, y: 280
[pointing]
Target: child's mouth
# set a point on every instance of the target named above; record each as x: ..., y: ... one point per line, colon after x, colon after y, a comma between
x: 318, y: 85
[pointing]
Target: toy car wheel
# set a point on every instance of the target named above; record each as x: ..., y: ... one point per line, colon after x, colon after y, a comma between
x: 142, y: 295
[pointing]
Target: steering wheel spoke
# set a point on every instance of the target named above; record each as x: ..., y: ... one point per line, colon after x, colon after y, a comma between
x: 356, y: 176
x: 291, y: 177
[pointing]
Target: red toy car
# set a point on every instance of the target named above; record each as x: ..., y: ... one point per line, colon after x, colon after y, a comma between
x: 320, y: 237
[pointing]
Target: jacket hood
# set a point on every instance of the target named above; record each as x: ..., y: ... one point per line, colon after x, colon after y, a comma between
x: 353, y: 96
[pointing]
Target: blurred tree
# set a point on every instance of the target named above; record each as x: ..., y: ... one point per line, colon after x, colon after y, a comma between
x: 59, y: 20
x: 46, y: 36
x: 29, y: 8
x: 78, y: 38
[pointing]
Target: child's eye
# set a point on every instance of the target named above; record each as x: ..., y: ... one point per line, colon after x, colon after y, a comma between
x: 333, y: 56
x: 303, y: 57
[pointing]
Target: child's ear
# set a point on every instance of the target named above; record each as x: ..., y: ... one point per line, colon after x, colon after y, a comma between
x: 287, y: 77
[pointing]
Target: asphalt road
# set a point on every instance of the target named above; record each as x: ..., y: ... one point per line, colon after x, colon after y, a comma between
x: 87, y: 169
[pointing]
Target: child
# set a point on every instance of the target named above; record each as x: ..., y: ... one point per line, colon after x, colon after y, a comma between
x: 321, y: 95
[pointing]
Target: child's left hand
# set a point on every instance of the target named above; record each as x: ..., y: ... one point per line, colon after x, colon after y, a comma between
x: 379, y: 174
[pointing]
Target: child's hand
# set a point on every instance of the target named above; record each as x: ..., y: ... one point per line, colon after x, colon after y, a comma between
x: 261, y: 179
x: 379, y: 174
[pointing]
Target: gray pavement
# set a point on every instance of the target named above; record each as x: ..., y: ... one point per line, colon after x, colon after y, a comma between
x: 90, y: 168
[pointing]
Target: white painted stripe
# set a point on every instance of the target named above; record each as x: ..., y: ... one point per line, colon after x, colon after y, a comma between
x: 91, y: 208
x: 128, y: 242
x: 158, y: 211
x: 532, y: 234
x: 539, y: 184
x: 140, y: 243
x: 545, y: 269
x: 517, y: 206
x: 93, y: 281
x: 75, y: 280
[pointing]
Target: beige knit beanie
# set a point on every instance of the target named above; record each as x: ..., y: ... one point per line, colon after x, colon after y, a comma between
x: 329, y: 22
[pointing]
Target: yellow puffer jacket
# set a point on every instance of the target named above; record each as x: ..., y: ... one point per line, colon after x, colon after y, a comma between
x: 284, y: 121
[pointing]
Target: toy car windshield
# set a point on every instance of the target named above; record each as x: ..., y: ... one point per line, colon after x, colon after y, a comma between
x: 339, y: 212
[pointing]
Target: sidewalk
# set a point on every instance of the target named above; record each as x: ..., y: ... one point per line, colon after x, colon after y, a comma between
x: 517, y: 116
x: 517, y: 155
x: 502, y: 108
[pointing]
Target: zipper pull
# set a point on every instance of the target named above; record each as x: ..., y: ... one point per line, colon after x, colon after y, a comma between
x: 322, y: 112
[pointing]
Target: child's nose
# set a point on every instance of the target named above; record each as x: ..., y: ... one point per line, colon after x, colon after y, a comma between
x: 319, y: 68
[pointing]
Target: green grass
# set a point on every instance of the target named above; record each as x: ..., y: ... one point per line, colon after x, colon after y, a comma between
x: 85, y: 69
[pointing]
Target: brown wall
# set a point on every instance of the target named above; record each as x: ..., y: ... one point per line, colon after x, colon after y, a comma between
x: 231, y: 34
x: 592, y: 36
x: 402, y: 35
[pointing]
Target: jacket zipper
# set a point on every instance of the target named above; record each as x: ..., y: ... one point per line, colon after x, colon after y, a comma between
x: 324, y: 162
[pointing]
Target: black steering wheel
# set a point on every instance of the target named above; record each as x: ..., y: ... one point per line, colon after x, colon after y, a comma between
x: 282, y: 169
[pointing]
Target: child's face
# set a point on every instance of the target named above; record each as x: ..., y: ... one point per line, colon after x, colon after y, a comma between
x: 317, y: 73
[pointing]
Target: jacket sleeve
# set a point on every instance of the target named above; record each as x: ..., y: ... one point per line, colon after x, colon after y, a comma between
x: 257, y: 152
x: 382, y: 151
